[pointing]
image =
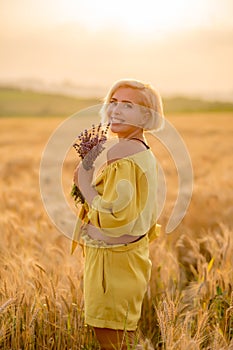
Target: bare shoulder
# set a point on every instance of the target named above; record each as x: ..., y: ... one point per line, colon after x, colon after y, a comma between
x: 124, y: 149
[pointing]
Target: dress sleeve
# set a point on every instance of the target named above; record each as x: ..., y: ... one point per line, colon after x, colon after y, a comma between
x: 122, y: 194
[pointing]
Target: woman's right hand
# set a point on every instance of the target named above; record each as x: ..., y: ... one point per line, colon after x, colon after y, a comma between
x: 83, y: 179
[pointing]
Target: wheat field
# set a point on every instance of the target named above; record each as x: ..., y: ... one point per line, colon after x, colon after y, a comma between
x: 189, y: 302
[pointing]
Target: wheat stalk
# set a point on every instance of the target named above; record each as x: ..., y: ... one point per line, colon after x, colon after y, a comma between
x: 6, y: 304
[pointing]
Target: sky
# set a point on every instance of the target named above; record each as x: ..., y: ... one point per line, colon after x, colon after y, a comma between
x: 181, y: 47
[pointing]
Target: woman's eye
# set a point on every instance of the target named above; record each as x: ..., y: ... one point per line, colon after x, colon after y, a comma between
x: 123, y: 104
x: 128, y: 105
x: 113, y: 103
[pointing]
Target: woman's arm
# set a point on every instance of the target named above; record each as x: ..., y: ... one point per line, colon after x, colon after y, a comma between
x: 96, y: 234
x: 122, y: 195
x: 83, y: 179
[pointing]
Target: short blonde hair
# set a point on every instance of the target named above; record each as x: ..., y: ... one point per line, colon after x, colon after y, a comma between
x: 151, y: 99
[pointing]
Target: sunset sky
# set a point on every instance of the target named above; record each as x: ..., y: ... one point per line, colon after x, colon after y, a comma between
x: 181, y: 47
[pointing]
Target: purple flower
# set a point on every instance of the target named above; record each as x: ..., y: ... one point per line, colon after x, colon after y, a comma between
x: 89, y: 146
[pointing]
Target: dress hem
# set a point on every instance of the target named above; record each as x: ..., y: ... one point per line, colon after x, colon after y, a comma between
x: 95, y: 322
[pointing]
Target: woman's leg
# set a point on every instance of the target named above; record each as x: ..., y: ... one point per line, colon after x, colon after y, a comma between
x: 115, y: 339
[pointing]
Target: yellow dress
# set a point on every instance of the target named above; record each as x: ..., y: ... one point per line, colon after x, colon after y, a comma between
x: 116, y: 276
x: 126, y: 202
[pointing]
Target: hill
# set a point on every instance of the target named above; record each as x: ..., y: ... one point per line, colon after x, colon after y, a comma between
x: 181, y: 104
x: 17, y: 102
x: 20, y: 102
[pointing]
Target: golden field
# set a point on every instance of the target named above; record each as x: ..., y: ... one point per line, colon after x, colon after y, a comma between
x: 189, y: 304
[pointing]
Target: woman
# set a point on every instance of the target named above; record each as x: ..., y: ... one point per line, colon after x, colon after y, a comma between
x: 121, y: 216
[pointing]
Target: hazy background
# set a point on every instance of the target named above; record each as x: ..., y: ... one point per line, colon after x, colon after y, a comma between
x: 82, y: 47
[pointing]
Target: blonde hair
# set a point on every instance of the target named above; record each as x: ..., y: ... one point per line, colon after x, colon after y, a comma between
x: 151, y: 100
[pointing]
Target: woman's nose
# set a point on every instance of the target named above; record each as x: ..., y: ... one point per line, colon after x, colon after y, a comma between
x: 117, y: 108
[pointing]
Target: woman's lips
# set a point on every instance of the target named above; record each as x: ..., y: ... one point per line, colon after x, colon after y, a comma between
x: 117, y: 121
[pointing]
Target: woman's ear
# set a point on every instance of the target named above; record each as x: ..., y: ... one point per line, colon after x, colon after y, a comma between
x: 145, y: 118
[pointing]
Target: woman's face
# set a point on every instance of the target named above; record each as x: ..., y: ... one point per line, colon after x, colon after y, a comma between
x: 125, y: 112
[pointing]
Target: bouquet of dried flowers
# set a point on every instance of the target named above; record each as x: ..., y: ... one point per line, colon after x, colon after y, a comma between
x: 89, y: 146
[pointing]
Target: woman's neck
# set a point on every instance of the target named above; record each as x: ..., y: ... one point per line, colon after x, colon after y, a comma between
x: 133, y: 135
